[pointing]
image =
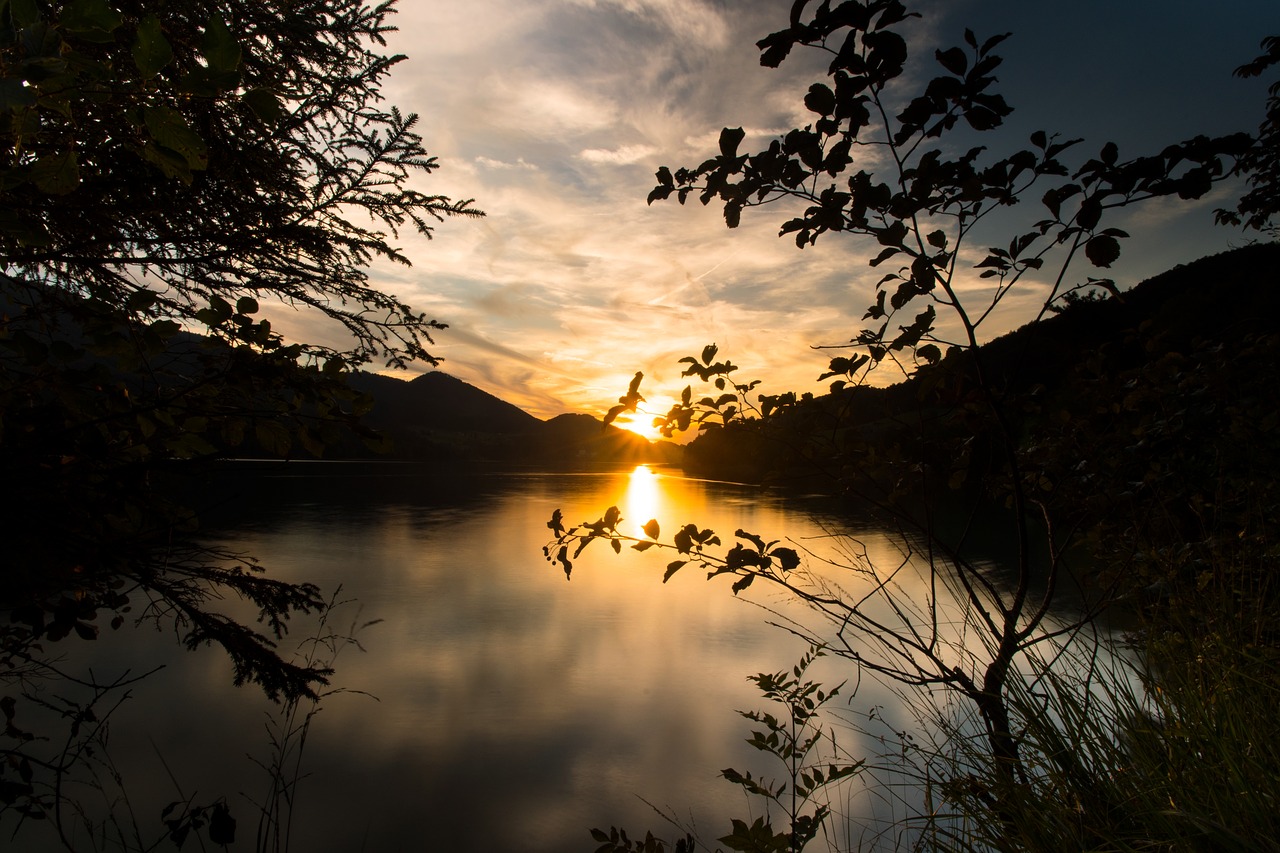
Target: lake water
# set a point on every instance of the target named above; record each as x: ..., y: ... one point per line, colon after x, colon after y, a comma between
x: 495, y: 706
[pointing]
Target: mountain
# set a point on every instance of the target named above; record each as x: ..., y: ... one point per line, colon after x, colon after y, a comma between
x: 439, y: 402
x: 436, y: 416
x: 1213, y: 320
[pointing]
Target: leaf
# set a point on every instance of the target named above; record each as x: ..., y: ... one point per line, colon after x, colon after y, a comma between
x: 788, y: 558
x: 730, y: 138
x: 91, y: 20
x: 14, y: 95
x: 169, y: 129
x: 219, y: 47
x: 820, y: 100
x: 954, y: 60
x: 1089, y: 214
x: 643, y: 546
x: 222, y: 826
x: 265, y: 104
x: 171, y: 163
x: 273, y: 436
x: 651, y: 528
x: 151, y: 50
x: 742, y: 583
x: 56, y: 174
x: 556, y: 524
x: 672, y: 568
x: 1102, y: 250
x: 732, y: 214
x: 930, y: 353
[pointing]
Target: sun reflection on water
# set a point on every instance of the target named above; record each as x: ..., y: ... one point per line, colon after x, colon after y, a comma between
x: 644, y: 500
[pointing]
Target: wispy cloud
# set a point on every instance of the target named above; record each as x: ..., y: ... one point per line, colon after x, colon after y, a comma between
x: 554, y: 114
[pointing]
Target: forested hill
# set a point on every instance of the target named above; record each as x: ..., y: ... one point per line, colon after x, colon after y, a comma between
x: 1204, y: 330
x: 440, y: 402
x: 1192, y: 309
x: 436, y: 416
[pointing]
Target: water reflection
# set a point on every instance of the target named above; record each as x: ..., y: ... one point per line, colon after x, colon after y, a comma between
x: 643, y: 500
x: 514, y: 710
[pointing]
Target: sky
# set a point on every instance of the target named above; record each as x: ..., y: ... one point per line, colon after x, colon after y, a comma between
x: 554, y: 114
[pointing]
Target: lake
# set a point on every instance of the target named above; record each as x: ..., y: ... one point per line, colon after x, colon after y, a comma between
x: 494, y: 705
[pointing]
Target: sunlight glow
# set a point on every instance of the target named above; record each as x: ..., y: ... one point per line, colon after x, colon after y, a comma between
x: 643, y: 500
x: 641, y: 425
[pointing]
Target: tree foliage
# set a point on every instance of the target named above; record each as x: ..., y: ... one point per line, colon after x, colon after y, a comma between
x: 901, y: 171
x: 903, y: 168
x: 173, y: 175
x: 170, y: 169
x: 188, y: 161
x: 1258, y: 208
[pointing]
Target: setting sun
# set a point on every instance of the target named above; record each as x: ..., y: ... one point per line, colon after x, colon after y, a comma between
x: 641, y: 425
x: 641, y: 421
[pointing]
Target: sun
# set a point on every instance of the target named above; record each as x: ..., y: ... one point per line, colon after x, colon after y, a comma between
x: 641, y: 425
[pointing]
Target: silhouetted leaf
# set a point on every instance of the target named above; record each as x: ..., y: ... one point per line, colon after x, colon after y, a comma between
x: 820, y: 99
x: 730, y: 139
x: 222, y: 826
x: 1089, y: 214
x: 651, y: 528
x: 954, y: 60
x: 265, y: 104
x: 672, y: 568
x: 788, y: 558
x: 1102, y: 250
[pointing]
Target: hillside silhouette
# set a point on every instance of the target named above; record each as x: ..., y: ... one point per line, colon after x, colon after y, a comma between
x: 1212, y: 319
x: 436, y: 416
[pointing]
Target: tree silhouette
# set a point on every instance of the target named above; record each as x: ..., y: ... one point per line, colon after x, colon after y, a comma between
x: 169, y: 169
x: 909, y: 174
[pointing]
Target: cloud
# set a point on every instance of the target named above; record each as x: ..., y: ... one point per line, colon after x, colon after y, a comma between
x: 554, y: 114
x: 520, y: 163
x: 691, y: 21
x: 625, y: 155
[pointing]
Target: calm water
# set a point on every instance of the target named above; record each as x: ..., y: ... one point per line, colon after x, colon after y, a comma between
x: 495, y: 706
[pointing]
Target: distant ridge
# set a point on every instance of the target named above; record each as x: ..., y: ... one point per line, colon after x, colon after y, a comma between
x: 438, y: 401
x: 436, y: 416
x: 1200, y: 312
